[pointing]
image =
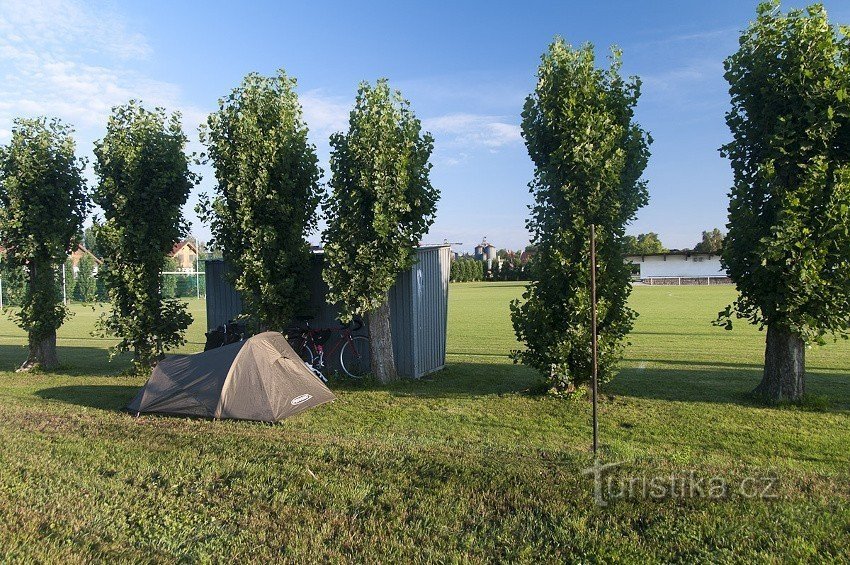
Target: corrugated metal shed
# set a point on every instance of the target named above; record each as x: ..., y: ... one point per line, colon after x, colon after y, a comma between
x: 227, y: 302
x: 418, y: 308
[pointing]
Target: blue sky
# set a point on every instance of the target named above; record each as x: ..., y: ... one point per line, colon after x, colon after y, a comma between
x: 466, y: 67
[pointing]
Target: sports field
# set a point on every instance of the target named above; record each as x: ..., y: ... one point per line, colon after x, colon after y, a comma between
x: 469, y: 464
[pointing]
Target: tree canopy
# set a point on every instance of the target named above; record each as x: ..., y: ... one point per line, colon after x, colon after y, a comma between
x: 644, y: 244
x: 788, y: 247
x: 712, y: 242
x: 85, y: 287
x: 266, y: 197
x: 144, y: 180
x: 589, y: 156
x: 44, y: 202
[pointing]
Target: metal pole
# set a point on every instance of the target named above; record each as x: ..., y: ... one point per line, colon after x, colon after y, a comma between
x: 64, y: 294
x: 197, y: 264
x: 593, y: 331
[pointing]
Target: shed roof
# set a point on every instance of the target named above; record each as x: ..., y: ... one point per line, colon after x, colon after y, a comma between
x: 674, y: 253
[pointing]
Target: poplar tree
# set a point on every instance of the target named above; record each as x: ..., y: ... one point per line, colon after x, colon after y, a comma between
x: 144, y: 181
x: 788, y: 246
x: 44, y: 202
x: 589, y: 155
x: 267, y: 195
x: 382, y: 204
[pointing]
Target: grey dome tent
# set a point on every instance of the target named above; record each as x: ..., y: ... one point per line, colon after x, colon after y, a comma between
x: 260, y: 378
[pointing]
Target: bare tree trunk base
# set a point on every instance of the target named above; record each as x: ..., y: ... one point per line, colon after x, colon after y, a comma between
x: 381, y: 343
x: 42, y: 355
x: 784, y: 367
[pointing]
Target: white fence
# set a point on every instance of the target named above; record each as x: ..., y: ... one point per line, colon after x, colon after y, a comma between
x: 707, y: 280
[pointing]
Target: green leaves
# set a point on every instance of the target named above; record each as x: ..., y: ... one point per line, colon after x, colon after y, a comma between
x: 267, y: 195
x: 589, y: 156
x: 788, y: 247
x: 44, y: 202
x: 144, y: 180
x: 644, y: 244
x: 382, y: 201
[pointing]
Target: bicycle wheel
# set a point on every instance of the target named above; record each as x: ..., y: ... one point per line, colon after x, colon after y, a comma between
x: 299, y: 345
x: 355, y: 357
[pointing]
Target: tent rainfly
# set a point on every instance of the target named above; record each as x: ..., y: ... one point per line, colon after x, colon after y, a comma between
x: 260, y: 379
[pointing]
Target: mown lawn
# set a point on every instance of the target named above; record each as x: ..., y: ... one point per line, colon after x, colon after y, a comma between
x: 466, y: 465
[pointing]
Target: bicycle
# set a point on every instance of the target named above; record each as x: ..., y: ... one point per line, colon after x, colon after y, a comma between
x: 355, y: 358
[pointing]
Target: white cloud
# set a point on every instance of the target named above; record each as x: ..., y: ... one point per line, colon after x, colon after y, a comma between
x: 701, y: 36
x: 693, y: 75
x: 324, y: 114
x: 69, y: 26
x: 66, y: 59
x: 473, y: 130
x: 76, y: 60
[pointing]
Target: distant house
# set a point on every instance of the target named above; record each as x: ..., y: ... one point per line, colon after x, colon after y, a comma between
x: 80, y: 252
x: 186, y: 255
x: 526, y: 256
x: 679, y: 267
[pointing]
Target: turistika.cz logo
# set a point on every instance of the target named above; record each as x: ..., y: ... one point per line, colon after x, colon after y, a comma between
x: 609, y: 485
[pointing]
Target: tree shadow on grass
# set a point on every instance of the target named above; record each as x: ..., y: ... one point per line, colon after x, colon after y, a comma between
x: 103, y: 397
x: 716, y: 364
x: 811, y: 368
x: 726, y: 383
x: 456, y: 380
x: 75, y: 361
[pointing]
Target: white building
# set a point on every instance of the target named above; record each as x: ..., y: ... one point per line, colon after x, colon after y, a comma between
x: 679, y: 267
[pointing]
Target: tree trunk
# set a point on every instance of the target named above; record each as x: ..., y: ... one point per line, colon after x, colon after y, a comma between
x: 381, y: 343
x: 42, y: 353
x: 784, y: 367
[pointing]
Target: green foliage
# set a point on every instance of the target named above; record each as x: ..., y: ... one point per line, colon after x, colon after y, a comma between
x: 788, y: 247
x: 69, y: 278
x: 511, y: 269
x: 644, y: 244
x: 712, y: 242
x: 382, y: 202
x: 169, y: 282
x: 89, y: 239
x: 466, y: 269
x: 144, y: 180
x: 85, y: 289
x: 14, y: 279
x: 188, y: 286
x: 589, y: 155
x: 101, y: 291
x: 267, y: 195
x: 44, y: 202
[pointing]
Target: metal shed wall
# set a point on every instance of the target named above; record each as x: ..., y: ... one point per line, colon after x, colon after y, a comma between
x: 418, y: 308
x: 223, y: 302
x: 429, y: 288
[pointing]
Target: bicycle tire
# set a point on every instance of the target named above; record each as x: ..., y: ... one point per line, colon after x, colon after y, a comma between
x: 355, y: 357
x: 299, y: 345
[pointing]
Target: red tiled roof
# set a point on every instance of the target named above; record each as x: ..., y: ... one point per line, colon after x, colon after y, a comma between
x: 85, y: 249
x: 180, y: 245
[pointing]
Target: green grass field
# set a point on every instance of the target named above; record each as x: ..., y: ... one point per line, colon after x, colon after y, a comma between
x: 466, y: 465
